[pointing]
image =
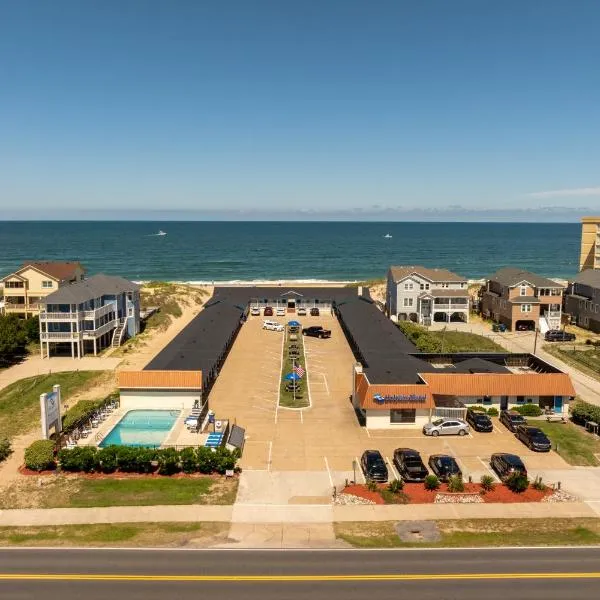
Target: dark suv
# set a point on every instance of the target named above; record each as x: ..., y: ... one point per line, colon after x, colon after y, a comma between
x: 534, y: 438
x: 558, y: 335
x: 316, y: 331
x: 373, y: 466
x: 479, y: 421
x: 506, y: 464
x: 314, y: 312
x: 409, y: 465
x: 268, y: 312
x: 444, y: 466
x: 512, y: 419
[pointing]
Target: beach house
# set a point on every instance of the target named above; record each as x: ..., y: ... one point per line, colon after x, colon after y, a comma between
x: 33, y: 281
x: 424, y: 295
x: 522, y: 300
x: 582, y: 299
x: 89, y: 315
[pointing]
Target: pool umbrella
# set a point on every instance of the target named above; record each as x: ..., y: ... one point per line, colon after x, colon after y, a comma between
x: 293, y: 324
x: 292, y: 377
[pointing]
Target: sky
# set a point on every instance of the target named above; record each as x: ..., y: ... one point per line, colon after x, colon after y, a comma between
x: 321, y: 107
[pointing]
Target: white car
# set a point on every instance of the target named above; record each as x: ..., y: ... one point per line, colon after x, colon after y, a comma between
x: 272, y: 326
x: 281, y: 312
x: 255, y: 311
x: 301, y: 312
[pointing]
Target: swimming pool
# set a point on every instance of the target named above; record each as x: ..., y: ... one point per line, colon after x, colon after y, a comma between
x: 141, y: 428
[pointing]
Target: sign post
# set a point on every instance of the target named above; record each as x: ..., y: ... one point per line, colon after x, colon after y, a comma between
x: 354, y: 465
x: 50, y: 412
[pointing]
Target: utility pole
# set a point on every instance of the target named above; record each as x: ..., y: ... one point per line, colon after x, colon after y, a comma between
x: 535, y: 340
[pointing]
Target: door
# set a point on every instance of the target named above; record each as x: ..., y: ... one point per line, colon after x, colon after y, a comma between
x: 450, y: 428
x: 558, y: 404
x: 503, y: 402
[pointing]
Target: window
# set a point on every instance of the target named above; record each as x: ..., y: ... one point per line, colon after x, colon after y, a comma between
x: 487, y: 399
x: 408, y: 285
x: 13, y: 284
x: 444, y: 285
x: 520, y: 399
x: 479, y: 400
x: 523, y: 290
x: 46, y: 283
x: 426, y: 286
x: 403, y: 415
x: 408, y: 301
x: 462, y: 284
x: 525, y: 308
x: 422, y: 286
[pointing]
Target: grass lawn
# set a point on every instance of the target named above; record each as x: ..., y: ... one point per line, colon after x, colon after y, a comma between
x: 286, y: 398
x: 585, y: 360
x: 478, y: 533
x: 20, y: 401
x: 122, y: 534
x: 575, y: 445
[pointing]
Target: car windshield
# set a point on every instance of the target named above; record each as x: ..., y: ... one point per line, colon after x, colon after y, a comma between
x: 438, y: 422
x: 482, y: 418
x: 378, y: 465
x: 412, y: 462
x: 517, y: 418
x: 446, y: 462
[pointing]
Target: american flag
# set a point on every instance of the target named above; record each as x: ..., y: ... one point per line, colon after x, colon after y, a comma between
x: 299, y: 370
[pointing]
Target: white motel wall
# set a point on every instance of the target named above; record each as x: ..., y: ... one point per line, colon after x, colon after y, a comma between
x: 380, y: 419
x: 159, y: 399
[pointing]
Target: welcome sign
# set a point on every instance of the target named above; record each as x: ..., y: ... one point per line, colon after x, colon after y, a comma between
x: 50, y: 412
x: 399, y: 399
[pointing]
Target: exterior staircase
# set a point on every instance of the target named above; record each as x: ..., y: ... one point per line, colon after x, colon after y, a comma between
x: 118, y: 334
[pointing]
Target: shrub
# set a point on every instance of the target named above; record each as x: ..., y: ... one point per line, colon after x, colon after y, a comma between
x: 487, y: 483
x: 83, y: 410
x: 538, y: 484
x: 127, y: 459
x: 432, y: 482
x: 168, y: 461
x: 478, y: 408
x: 107, y: 459
x: 395, y: 486
x: 189, y: 460
x: 529, y: 410
x: 493, y: 412
x: 144, y: 459
x: 206, y: 460
x: 224, y: 460
x: 456, y: 484
x: 581, y: 412
x: 39, y: 456
x: 517, y: 483
x: 372, y: 486
x: 5, y: 449
x: 81, y: 458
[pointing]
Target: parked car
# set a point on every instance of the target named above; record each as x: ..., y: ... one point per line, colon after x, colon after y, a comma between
x: 281, y: 312
x: 255, y: 311
x: 446, y: 427
x: 512, y: 419
x: 272, y: 326
x: 534, y: 438
x: 499, y: 327
x: 409, y: 464
x: 479, y: 421
x: 444, y: 466
x: 558, y: 335
x: 301, y: 312
x: 316, y: 331
x: 268, y: 312
x: 314, y: 312
x: 373, y: 466
x: 525, y: 327
x: 506, y: 464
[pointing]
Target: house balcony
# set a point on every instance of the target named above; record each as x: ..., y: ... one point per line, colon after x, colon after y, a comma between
x: 96, y: 333
x: 100, y: 312
x: 59, y: 316
x: 59, y: 336
x: 14, y: 306
x: 450, y: 306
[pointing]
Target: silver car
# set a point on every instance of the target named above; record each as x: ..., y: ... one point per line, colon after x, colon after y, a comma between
x: 446, y: 427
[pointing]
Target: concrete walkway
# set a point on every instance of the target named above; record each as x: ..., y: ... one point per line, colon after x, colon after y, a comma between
x: 587, y: 388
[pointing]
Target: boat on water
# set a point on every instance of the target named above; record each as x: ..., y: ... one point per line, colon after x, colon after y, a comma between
x: 160, y: 232
x: 387, y: 236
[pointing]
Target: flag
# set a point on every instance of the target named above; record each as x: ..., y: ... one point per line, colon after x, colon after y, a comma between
x: 299, y: 370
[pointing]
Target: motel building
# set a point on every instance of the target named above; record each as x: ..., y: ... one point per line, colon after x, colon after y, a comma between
x: 448, y: 389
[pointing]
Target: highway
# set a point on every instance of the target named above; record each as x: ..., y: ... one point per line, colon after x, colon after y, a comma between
x: 98, y: 574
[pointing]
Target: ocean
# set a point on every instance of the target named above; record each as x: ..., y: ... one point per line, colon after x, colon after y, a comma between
x: 202, y: 251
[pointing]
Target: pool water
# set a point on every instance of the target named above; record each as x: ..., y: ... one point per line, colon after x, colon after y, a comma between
x: 141, y: 428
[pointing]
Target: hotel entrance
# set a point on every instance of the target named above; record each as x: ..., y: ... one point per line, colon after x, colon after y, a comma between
x: 291, y: 305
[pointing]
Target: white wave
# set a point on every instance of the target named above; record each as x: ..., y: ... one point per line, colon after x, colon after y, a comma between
x: 253, y: 282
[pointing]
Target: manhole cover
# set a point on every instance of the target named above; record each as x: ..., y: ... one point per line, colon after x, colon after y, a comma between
x: 418, y: 531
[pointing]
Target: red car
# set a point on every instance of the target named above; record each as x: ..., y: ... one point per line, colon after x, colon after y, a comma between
x: 268, y: 311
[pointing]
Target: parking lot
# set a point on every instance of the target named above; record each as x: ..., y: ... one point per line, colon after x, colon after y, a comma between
x: 326, y: 436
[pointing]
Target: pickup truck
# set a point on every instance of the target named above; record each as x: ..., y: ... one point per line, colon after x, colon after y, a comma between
x: 316, y: 331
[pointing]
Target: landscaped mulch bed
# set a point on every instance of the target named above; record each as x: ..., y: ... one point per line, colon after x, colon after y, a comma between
x: 417, y: 494
x: 118, y: 475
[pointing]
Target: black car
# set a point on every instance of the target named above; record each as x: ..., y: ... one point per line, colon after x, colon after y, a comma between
x: 373, y: 466
x: 558, y: 335
x: 479, y: 421
x: 512, y: 419
x: 444, y: 466
x: 409, y: 465
x: 534, y: 438
x: 506, y: 464
x: 314, y: 312
x: 316, y: 331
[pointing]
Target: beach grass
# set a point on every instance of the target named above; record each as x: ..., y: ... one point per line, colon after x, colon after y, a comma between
x: 573, y: 443
x: 586, y: 359
x: 289, y: 399
x: 20, y: 401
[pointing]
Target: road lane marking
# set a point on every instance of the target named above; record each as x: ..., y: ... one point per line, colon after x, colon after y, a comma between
x: 297, y: 578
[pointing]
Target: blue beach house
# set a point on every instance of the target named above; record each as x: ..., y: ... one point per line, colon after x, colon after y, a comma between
x: 88, y: 316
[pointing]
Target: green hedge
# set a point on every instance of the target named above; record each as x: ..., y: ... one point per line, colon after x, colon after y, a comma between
x: 582, y: 412
x: 492, y: 411
x: 5, y: 449
x: 39, y: 456
x: 529, y: 410
x: 82, y: 410
x: 165, y: 461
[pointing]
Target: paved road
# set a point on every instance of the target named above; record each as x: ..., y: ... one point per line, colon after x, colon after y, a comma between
x: 349, y: 575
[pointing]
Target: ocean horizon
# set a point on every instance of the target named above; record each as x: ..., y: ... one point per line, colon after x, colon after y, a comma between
x: 206, y: 252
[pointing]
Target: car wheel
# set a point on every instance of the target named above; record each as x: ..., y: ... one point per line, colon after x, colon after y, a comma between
x: 462, y: 432
x: 435, y: 433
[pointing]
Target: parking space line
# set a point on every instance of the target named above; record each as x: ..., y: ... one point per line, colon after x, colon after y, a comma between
x: 325, y: 382
x: 488, y: 468
x: 360, y: 470
x: 302, y: 417
x: 368, y: 432
x: 270, y: 454
x: 393, y: 469
x: 328, y: 471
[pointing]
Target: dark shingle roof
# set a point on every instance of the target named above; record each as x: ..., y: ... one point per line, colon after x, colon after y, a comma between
x: 479, y: 365
x: 589, y: 277
x: 94, y: 287
x: 434, y: 275
x: 512, y: 276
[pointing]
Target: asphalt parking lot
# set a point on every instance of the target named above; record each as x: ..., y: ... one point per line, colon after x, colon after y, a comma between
x: 326, y: 437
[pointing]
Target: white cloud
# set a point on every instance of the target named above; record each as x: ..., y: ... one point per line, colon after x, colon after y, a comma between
x: 590, y: 191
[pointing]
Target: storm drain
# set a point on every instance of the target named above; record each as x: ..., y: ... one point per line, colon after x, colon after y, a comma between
x: 418, y: 531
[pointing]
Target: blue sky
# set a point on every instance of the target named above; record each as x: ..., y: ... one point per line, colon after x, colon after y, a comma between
x: 320, y: 105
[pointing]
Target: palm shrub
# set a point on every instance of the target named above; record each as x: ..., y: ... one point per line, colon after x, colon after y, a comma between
x: 39, y: 456
x: 395, y: 486
x: 538, y: 484
x: 432, y: 482
x: 487, y: 483
x: 517, y: 483
x: 5, y: 449
x: 372, y: 485
x: 456, y: 484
